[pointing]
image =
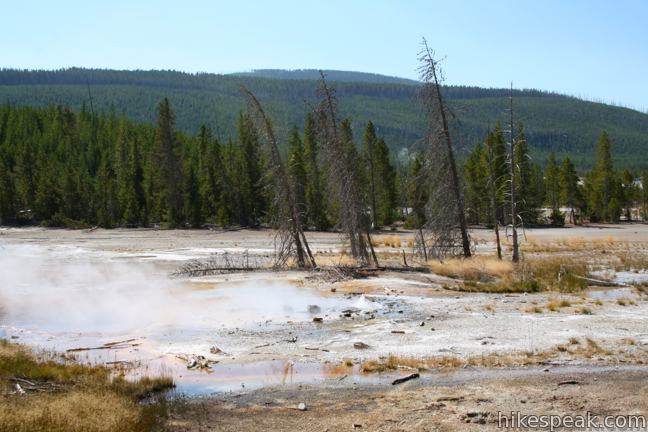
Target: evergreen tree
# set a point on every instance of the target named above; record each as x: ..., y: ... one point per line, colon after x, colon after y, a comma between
x: 476, y: 172
x: 212, y: 178
x: 315, y: 197
x: 495, y: 152
x: 418, y: 193
x: 529, y: 200
x: 253, y: 203
x: 129, y: 175
x: 628, y: 193
x: 168, y: 169
x: 552, y: 183
x: 192, y: 204
x: 7, y: 193
x: 386, y: 184
x: 297, y: 169
x: 602, y: 185
x: 371, y: 166
x: 569, y: 192
x: 106, y: 195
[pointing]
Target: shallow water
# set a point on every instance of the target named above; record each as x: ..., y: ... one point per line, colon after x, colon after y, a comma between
x: 611, y: 293
x: 62, y: 298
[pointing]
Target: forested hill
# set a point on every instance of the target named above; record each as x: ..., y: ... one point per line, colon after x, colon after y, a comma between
x: 331, y: 75
x: 563, y: 124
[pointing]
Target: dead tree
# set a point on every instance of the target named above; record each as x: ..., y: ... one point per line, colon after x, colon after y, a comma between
x: 513, y: 198
x: 446, y: 218
x: 343, y: 178
x: 493, y: 182
x: 290, y: 240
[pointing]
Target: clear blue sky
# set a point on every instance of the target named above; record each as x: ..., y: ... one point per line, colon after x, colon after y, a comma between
x: 593, y: 49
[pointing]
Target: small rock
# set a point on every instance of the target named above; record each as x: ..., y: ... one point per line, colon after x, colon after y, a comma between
x: 192, y: 363
x: 215, y: 350
x: 333, y: 289
x: 356, y: 425
x: 432, y: 329
x: 360, y: 345
x: 19, y: 389
x: 318, y: 319
x: 422, y: 324
x: 302, y: 406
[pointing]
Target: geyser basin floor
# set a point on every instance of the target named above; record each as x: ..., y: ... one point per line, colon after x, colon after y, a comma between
x: 70, y: 289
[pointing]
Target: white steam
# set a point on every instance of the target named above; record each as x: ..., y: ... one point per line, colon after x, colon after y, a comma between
x: 75, y: 290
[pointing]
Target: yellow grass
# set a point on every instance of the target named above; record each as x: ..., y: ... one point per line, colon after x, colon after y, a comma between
x: 393, y: 241
x: 557, y: 304
x: 74, y: 397
x: 570, y: 243
x: 477, y: 268
x: 335, y: 260
x: 535, y: 274
x: 508, y: 359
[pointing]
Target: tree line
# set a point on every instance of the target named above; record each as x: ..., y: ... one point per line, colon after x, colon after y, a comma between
x: 565, y: 125
x: 602, y: 194
x: 64, y: 168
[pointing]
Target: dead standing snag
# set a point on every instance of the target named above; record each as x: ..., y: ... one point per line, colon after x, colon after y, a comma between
x: 290, y: 240
x: 353, y: 219
x: 446, y: 218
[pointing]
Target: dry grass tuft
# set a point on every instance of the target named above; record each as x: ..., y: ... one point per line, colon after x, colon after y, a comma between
x: 393, y: 241
x: 534, y: 274
x: 571, y: 243
x: 508, y: 359
x: 557, y: 304
x: 477, y: 268
x: 72, y: 397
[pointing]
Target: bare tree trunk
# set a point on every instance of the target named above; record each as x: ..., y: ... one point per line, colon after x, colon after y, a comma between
x: 492, y: 191
x: 343, y: 178
x: 374, y: 222
x: 291, y: 237
x: 516, y: 248
x: 496, y: 228
x: 430, y: 77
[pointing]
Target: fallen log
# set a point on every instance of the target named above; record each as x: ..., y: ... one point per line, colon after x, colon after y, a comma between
x: 598, y: 282
x: 405, y: 379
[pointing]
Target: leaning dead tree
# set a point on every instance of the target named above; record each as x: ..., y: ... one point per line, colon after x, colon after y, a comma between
x: 290, y: 241
x: 445, y: 213
x: 343, y: 178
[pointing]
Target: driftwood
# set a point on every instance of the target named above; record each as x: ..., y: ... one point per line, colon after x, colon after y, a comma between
x: 405, y: 379
x: 110, y: 345
x: 23, y: 386
x: 598, y: 282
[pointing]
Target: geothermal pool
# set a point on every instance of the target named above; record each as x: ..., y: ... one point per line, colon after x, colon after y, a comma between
x: 78, y: 300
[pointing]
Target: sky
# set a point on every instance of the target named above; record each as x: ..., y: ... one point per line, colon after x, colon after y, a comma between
x: 593, y: 49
